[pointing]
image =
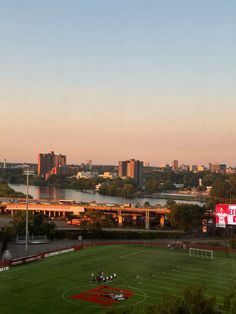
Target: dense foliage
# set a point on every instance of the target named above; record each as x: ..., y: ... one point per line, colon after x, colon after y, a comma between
x: 187, y: 217
x: 118, y: 187
x: 6, y: 191
x: 193, y: 301
x: 39, y: 224
x: 12, y: 175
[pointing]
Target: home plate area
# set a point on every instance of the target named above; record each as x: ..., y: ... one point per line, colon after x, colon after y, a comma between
x: 103, y: 295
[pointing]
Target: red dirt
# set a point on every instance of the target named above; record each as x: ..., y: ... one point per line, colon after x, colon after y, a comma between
x: 94, y: 295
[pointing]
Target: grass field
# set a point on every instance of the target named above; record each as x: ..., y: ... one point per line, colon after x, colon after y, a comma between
x: 46, y: 286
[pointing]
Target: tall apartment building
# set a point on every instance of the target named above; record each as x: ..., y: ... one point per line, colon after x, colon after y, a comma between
x: 122, y: 169
x: 49, y: 161
x: 175, y: 165
x: 60, y: 160
x: 131, y: 169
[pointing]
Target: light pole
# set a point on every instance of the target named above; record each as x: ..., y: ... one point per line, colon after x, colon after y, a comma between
x: 230, y: 195
x: 27, y: 214
x: 27, y: 173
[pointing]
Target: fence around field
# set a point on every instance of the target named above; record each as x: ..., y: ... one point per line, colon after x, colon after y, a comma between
x: 5, y: 264
x: 33, y: 239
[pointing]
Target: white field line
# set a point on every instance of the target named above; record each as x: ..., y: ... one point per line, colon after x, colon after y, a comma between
x: 170, y: 255
x: 7, y: 277
x: 207, y: 271
x: 195, y: 268
x: 131, y: 254
x: 215, y: 261
x: 172, y: 294
x: 143, y: 294
x: 45, y: 261
x: 191, y: 280
x: 199, y: 277
x: 192, y: 269
x: 154, y: 292
x: 160, y: 285
x: 194, y: 272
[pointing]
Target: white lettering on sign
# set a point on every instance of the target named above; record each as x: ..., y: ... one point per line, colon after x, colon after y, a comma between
x: 59, y: 252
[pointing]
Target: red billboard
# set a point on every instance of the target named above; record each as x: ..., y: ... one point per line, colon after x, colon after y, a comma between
x: 225, y: 215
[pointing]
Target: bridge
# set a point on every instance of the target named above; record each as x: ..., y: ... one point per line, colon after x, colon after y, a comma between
x: 61, y: 210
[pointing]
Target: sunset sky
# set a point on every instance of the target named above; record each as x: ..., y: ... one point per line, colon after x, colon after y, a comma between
x: 110, y: 80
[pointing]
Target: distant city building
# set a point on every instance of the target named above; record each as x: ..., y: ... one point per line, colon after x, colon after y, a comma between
x: 59, y: 171
x: 87, y: 174
x: 122, y: 169
x: 219, y: 168
x: 193, y: 168
x: 5, y: 163
x: 50, y: 163
x: 60, y: 160
x: 230, y: 170
x: 175, y: 165
x: 108, y: 175
x: 131, y: 169
x: 201, y: 168
x: 184, y: 167
x: 89, y: 164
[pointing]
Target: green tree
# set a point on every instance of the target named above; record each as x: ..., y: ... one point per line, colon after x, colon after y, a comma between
x: 187, y: 217
x: 93, y: 222
x: 193, y: 301
x: 42, y: 225
x: 39, y: 224
x: 229, y: 304
x: 129, y: 190
x: 6, y: 191
x: 220, y: 188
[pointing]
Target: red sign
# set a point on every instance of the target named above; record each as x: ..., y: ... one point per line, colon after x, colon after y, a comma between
x: 225, y: 215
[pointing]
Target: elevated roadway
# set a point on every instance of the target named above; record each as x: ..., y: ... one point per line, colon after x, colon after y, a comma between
x: 60, y: 210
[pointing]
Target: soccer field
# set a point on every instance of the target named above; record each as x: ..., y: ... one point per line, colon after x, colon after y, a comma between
x: 51, y: 285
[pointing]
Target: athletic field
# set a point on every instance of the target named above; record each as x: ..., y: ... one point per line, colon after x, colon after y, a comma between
x: 61, y: 284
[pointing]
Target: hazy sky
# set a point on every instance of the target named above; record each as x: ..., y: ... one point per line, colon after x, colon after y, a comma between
x: 109, y: 80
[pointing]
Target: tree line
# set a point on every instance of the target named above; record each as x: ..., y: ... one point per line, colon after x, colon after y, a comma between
x: 194, y: 300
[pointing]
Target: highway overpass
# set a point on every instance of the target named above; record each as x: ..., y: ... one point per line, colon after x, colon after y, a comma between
x: 62, y: 210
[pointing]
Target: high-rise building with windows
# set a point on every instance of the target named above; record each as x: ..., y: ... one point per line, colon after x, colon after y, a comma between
x: 131, y: 169
x: 49, y: 161
x: 122, y: 169
x: 60, y: 160
x: 175, y: 165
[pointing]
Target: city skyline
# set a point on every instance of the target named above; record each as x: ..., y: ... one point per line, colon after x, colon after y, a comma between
x: 60, y: 161
x: 108, y: 81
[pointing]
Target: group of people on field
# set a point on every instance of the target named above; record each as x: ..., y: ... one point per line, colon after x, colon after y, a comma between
x: 102, y: 278
x: 176, y: 245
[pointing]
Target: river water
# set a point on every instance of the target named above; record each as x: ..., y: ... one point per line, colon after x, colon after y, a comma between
x: 52, y: 193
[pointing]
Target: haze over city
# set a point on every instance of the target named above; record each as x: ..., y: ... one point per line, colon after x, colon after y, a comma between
x: 112, y: 80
